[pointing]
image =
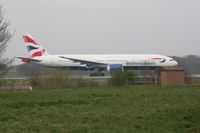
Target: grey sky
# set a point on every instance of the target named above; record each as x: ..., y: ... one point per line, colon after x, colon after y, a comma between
x: 169, y: 27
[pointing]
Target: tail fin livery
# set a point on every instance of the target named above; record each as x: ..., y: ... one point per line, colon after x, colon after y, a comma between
x: 33, y: 46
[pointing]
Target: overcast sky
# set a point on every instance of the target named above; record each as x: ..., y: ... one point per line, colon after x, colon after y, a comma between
x: 168, y: 27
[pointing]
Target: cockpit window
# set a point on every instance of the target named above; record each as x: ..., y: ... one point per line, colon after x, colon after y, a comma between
x: 171, y: 60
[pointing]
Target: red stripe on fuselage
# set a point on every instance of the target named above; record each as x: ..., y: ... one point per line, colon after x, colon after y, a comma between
x: 157, y: 58
x: 27, y: 39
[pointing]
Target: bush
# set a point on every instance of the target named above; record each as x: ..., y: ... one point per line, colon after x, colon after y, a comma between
x: 62, y: 80
x: 59, y: 80
x: 122, y: 78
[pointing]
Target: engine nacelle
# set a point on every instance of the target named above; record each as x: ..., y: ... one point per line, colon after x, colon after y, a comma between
x: 114, y: 67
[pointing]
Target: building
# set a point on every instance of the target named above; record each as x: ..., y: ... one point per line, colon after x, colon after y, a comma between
x: 171, y: 76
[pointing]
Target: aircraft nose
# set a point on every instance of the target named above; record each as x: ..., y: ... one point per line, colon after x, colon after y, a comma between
x: 175, y: 63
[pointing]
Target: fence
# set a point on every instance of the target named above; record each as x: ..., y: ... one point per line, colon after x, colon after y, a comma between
x: 24, y: 84
x: 14, y: 84
x: 192, y: 80
x: 143, y: 81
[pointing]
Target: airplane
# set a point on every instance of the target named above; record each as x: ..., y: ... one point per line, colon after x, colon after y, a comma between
x: 104, y: 62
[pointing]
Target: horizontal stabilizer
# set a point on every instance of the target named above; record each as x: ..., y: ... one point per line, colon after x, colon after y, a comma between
x: 27, y: 60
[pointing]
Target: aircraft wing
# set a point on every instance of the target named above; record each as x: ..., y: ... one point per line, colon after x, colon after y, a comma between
x: 93, y: 63
x: 27, y: 60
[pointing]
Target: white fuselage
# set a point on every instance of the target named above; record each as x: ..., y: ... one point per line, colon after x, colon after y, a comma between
x: 123, y: 59
x: 38, y: 55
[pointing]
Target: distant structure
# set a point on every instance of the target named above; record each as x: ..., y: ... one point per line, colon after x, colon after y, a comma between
x: 171, y: 76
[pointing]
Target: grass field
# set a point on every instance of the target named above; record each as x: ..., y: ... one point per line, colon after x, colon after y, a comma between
x: 105, y: 110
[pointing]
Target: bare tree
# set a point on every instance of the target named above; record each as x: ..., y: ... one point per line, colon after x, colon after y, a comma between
x: 5, y: 36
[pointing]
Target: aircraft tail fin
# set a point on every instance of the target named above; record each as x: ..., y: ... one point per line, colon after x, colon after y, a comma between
x: 33, y: 47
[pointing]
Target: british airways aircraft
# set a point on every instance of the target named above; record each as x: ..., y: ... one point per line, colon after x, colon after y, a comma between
x: 109, y: 62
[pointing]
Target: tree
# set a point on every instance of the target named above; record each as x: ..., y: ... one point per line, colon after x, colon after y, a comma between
x: 5, y: 36
x: 190, y: 63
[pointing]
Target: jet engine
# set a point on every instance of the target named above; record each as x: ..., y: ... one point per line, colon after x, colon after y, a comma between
x: 114, y: 67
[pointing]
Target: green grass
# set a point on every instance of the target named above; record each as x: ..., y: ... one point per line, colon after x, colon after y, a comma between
x: 105, y: 110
